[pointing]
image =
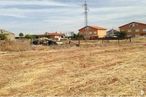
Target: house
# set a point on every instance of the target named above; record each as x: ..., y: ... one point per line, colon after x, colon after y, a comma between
x: 55, y: 35
x: 90, y: 32
x: 9, y: 35
x: 111, y: 33
x: 134, y: 28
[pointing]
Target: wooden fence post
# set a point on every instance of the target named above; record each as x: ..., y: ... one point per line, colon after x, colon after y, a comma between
x: 118, y: 41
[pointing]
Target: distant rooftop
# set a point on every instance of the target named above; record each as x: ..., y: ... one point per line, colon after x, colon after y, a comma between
x: 54, y: 33
x: 132, y: 23
x: 95, y: 27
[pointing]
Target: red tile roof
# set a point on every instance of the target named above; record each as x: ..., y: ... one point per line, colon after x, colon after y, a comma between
x: 131, y: 23
x: 95, y: 27
x: 54, y: 34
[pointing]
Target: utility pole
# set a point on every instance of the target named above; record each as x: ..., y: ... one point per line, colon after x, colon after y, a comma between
x: 86, y: 13
x: 86, y: 17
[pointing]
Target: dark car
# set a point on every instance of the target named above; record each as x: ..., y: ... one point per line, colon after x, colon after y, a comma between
x: 36, y: 42
x: 44, y: 42
x: 51, y: 42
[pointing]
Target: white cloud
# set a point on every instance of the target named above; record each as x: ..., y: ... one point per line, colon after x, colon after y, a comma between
x: 32, y: 2
x: 47, y: 16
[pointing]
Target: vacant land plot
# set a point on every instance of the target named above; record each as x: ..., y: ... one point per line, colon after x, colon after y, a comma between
x: 88, y: 70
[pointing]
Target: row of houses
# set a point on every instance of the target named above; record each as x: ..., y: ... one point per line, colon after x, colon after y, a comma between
x: 90, y: 32
x: 94, y: 32
x: 133, y: 28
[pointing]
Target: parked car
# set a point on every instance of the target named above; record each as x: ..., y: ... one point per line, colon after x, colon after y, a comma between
x: 35, y: 42
x: 51, y: 42
x: 44, y: 42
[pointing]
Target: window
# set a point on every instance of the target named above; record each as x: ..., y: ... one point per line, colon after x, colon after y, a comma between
x: 90, y: 32
x: 133, y: 25
x: 144, y: 30
x: 129, y: 30
x: 87, y: 28
x: 137, y: 30
x: 130, y: 26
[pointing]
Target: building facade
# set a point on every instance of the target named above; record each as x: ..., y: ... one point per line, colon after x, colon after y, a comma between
x: 90, y: 32
x: 111, y: 33
x: 134, y: 28
x: 55, y: 35
x: 51, y: 35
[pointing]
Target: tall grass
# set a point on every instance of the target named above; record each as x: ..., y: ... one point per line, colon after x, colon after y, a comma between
x: 17, y: 45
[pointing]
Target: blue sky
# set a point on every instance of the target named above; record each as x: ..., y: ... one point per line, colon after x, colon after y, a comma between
x: 39, y: 16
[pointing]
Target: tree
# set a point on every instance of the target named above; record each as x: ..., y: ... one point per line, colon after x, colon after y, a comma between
x: 3, y: 37
x: 81, y: 37
x: 30, y: 36
x: 120, y: 34
x: 77, y: 37
x: 21, y: 34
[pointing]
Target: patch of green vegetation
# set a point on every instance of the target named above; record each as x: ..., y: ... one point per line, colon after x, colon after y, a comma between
x: 121, y: 34
x: 30, y: 37
x: 3, y: 36
x: 77, y: 37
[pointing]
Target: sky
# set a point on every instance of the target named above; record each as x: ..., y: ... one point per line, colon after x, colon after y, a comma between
x: 40, y: 16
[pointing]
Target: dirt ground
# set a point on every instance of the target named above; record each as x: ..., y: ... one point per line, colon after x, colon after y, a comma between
x: 91, y: 70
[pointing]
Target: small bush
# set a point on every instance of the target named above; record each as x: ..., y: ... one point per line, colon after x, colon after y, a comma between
x: 30, y: 37
x: 77, y: 37
x: 120, y: 34
x: 3, y: 37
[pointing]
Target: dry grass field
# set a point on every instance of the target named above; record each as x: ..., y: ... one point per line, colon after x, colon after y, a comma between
x: 92, y: 69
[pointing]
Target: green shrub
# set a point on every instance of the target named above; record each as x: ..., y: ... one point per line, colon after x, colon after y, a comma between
x: 121, y: 34
x: 30, y: 36
x: 77, y: 37
x: 3, y: 37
